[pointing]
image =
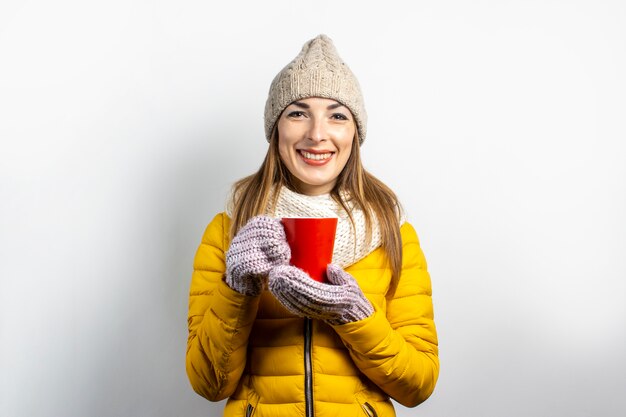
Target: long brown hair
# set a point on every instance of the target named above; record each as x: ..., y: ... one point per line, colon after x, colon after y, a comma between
x: 252, y: 194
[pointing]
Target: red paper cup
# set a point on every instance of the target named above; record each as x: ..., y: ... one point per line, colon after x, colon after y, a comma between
x: 311, y: 241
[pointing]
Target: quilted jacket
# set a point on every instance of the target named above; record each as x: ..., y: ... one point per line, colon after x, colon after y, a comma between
x: 268, y: 362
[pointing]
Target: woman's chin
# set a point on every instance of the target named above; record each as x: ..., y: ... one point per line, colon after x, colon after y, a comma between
x: 314, y: 186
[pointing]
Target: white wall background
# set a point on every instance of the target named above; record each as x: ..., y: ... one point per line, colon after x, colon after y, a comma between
x: 499, y: 123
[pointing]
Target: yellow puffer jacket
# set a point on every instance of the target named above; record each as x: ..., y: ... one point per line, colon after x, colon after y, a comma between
x: 268, y: 362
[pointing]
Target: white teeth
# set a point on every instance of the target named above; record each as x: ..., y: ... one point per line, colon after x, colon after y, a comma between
x: 316, y: 156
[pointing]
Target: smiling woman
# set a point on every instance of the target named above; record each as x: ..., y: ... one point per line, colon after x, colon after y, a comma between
x: 315, y: 138
x: 262, y: 332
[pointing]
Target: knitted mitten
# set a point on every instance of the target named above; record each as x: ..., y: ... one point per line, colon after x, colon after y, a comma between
x: 257, y: 247
x: 339, y: 302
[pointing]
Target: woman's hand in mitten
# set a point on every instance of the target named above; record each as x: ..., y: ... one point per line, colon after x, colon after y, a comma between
x: 339, y: 302
x: 256, y: 248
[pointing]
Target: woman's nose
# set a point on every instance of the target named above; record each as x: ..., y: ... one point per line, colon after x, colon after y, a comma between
x: 317, y: 130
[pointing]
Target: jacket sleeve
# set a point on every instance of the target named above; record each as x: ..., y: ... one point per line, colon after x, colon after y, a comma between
x: 219, y: 320
x: 398, y: 351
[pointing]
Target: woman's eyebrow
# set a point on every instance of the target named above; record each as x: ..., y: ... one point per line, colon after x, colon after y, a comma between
x: 306, y: 106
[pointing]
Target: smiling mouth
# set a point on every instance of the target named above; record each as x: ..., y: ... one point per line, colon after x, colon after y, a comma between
x: 316, y: 156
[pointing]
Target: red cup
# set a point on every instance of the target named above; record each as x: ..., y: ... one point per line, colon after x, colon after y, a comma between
x: 311, y: 241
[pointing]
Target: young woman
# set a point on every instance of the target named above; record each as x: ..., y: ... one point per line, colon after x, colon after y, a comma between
x: 265, y: 335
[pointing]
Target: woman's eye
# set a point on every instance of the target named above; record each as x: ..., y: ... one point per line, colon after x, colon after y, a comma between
x: 295, y: 114
x: 340, y: 116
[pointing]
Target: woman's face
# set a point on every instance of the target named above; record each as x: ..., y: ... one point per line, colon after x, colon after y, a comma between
x: 314, y: 142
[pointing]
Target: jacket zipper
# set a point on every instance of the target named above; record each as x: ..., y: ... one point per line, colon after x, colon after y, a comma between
x: 249, y: 410
x: 308, y: 372
x: 369, y: 410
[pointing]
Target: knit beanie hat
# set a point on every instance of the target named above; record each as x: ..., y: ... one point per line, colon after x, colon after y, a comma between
x: 317, y: 71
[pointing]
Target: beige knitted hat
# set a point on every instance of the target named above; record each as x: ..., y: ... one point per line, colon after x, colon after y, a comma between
x: 317, y: 71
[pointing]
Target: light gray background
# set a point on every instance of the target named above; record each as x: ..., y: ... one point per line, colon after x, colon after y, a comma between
x: 500, y: 124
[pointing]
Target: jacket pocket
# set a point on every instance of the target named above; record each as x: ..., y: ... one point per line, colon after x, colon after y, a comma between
x: 366, y: 405
x: 370, y: 411
x: 253, y: 401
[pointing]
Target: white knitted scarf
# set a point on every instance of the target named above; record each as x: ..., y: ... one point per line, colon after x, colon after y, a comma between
x: 350, y: 240
x: 349, y: 247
